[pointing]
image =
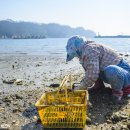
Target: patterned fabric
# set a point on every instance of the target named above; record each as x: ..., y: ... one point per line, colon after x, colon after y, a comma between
x: 100, y: 61
x: 118, y: 76
x: 123, y: 64
x: 95, y: 58
x: 126, y: 90
x: 73, y: 47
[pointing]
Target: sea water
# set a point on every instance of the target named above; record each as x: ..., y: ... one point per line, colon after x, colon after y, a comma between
x: 55, y: 46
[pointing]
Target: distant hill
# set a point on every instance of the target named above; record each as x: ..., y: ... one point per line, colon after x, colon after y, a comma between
x: 19, y: 30
x: 117, y: 36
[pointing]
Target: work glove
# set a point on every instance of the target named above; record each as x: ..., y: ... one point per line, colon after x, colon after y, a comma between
x: 79, y: 86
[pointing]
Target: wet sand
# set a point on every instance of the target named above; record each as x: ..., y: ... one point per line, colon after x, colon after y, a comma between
x: 34, y: 75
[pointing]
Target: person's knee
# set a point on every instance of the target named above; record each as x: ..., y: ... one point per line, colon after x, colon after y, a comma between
x: 111, y: 71
x: 114, y: 76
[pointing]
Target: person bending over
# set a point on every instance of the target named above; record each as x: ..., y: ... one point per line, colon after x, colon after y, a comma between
x: 100, y: 63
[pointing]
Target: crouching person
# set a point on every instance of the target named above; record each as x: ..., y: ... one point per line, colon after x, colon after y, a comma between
x: 100, y: 64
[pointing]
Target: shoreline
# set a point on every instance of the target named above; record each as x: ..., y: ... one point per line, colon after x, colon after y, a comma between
x: 35, y: 74
x: 41, y: 70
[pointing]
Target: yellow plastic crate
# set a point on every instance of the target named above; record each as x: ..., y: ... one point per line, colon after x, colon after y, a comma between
x: 63, y: 109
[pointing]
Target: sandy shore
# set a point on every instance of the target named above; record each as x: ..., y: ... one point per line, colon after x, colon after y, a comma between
x: 33, y: 76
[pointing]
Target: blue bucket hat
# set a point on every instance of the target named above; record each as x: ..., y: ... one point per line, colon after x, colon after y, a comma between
x: 73, y: 47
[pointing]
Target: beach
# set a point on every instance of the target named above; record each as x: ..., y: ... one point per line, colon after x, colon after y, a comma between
x: 24, y: 78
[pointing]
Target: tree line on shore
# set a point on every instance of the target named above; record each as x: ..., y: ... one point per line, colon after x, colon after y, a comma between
x: 29, y: 30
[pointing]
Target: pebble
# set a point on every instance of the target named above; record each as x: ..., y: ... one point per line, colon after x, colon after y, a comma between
x: 18, y: 96
x: 109, y: 121
x: 37, y: 65
x: 123, y: 116
x: 5, y: 126
x: 88, y: 120
x: 113, y: 128
x: 115, y: 118
x: 35, y: 118
x: 15, y: 103
x: 14, y: 121
x: 13, y: 66
x: 15, y: 110
x: 128, y: 125
x: 9, y: 81
x: 89, y: 114
x: 90, y: 105
x: 124, y: 127
x: 1, y: 108
x: 18, y: 82
x: 96, y: 124
x: 7, y: 99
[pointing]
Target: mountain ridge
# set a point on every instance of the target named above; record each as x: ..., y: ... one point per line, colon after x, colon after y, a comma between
x: 25, y: 30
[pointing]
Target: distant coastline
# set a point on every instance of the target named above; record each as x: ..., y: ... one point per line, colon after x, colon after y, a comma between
x: 25, y: 37
x: 117, y: 36
x: 10, y: 29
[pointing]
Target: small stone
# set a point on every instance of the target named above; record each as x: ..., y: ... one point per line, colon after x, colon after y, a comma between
x: 15, y: 103
x: 124, y: 116
x: 35, y: 118
x: 19, y: 82
x: 13, y: 66
x: 32, y: 82
x: 113, y: 128
x: 26, y: 84
x: 37, y: 65
x: 96, y: 124
x: 109, y: 121
x: 14, y: 121
x: 9, y: 81
x: 90, y: 105
x: 7, y: 103
x: 93, y: 117
x: 115, y: 118
x: 1, y: 108
x: 18, y: 96
x: 89, y: 114
x: 88, y: 121
x: 5, y: 126
x: 15, y: 110
x: 5, y: 117
x: 128, y: 125
x: 30, y: 103
x: 124, y: 127
x: 7, y: 99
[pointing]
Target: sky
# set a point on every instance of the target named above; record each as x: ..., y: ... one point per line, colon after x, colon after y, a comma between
x: 107, y: 17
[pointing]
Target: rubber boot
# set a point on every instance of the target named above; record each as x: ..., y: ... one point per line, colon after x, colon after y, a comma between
x: 117, y: 96
x: 126, y: 90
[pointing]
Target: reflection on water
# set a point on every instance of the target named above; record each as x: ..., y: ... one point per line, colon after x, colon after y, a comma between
x: 55, y: 46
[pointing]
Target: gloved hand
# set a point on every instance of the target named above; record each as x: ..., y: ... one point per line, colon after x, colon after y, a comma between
x: 79, y: 86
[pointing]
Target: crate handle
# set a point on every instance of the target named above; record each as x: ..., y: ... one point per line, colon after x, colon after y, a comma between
x: 64, y: 86
x: 64, y: 81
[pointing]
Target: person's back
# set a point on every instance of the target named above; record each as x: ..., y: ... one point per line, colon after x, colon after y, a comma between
x: 104, y: 54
